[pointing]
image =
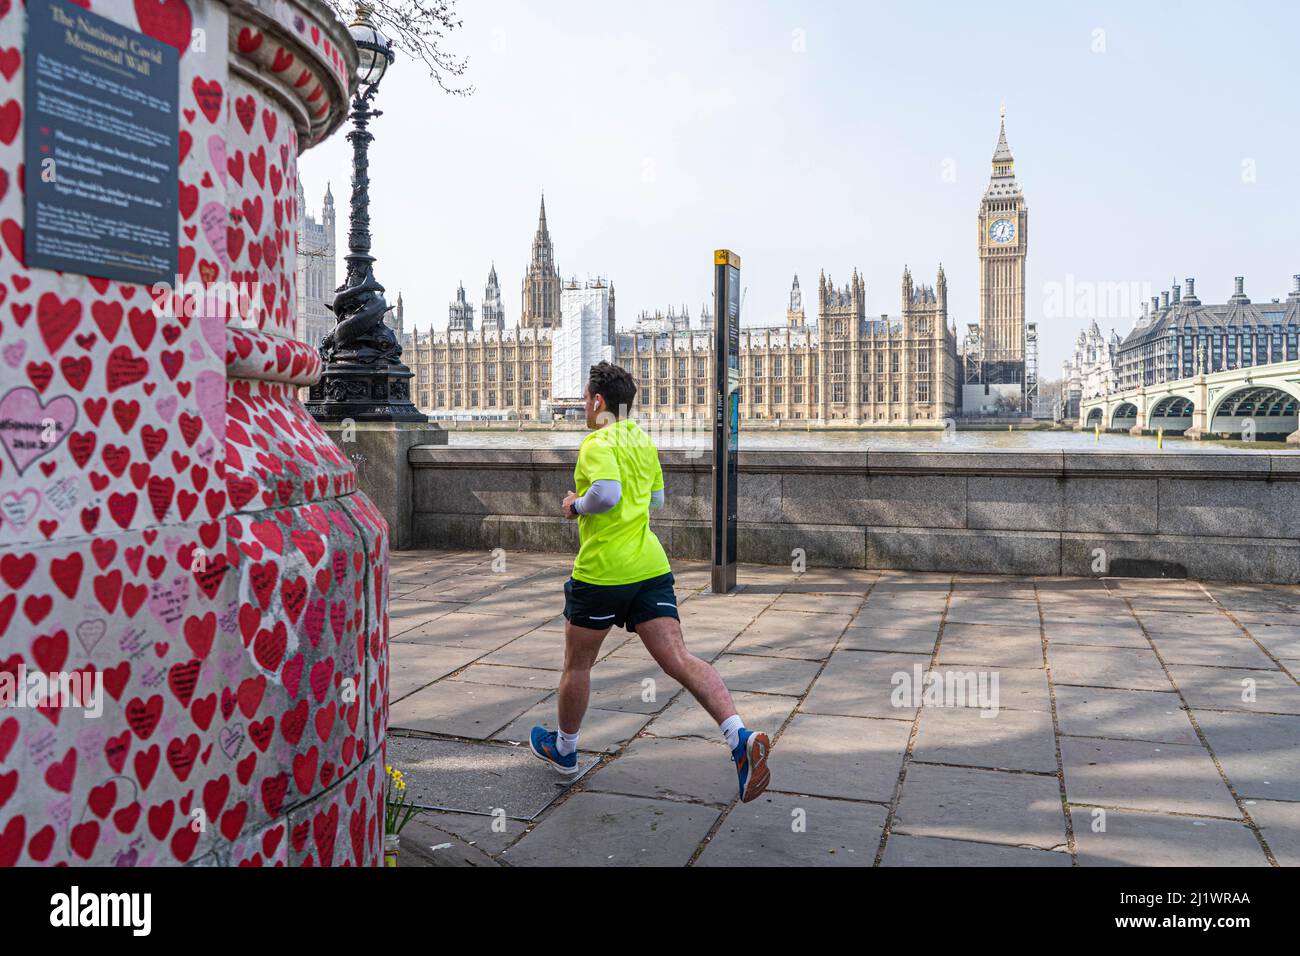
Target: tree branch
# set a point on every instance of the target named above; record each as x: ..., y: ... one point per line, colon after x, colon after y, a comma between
x: 418, y: 28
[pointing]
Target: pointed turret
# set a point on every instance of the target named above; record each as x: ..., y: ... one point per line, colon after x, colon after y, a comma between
x: 794, y: 316
x: 1002, y: 183
x: 541, y: 286
x: 494, y: 313
x: 460, y: 314
x: 1002, y: 153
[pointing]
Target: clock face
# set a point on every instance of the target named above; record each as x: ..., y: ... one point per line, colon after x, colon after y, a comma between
x: 1002, y: 231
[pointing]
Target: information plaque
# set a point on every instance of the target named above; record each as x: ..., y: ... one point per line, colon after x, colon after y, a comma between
x: 101, y: 133
x: 726, y: 418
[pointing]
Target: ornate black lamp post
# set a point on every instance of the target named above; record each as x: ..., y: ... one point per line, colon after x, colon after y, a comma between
x: 364, y: 378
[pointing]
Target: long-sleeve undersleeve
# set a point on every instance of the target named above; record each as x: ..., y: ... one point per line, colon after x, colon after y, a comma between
x: 656, y: 499
x: 603, y: 495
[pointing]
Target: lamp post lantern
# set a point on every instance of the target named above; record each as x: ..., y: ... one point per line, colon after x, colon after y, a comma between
x: 364, y: 379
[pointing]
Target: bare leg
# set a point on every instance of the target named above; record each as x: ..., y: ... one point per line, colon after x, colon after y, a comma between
x: 663, y: 639
x: 581, y: 646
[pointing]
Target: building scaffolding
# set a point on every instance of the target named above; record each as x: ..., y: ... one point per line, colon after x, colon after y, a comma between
x: 1031, y: 367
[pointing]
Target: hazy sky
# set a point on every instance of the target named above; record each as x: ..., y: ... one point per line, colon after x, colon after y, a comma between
x: 1152, y: 141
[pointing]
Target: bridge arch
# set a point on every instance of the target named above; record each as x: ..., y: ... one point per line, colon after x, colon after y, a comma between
x: 1173, y: 413
x: 1274, y: 410
x: 1126, y: 416
x: 1096, y: 416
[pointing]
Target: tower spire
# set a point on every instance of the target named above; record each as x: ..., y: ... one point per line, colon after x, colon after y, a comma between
x: 1002, y: 154
x: 541, y: 288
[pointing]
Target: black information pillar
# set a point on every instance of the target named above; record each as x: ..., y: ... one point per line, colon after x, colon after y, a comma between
x: 726, y: 416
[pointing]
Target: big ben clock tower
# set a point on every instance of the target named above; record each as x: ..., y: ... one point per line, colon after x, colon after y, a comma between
x: 1003, y: 238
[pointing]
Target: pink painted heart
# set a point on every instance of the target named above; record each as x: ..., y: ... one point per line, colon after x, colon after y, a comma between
x: 30, y: 429
x: 14, y: 352
x: 19, y: 507
x: 166, y: 407
x: 167, y: 603
x: 217, y: 153
x: 210, y: 393
x: 217, y: 307
x: 215, y: 221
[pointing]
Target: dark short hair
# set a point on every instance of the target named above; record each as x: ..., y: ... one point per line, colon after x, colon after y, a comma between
x: 614, y: 385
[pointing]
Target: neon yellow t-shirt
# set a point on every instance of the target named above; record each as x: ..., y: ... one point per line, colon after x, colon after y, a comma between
x: 618, y: 546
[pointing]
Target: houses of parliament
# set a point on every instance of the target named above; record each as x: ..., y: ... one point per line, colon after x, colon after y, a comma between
x: 839, y: 365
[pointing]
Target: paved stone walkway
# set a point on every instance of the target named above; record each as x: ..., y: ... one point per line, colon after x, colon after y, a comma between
x: 1137, y: 722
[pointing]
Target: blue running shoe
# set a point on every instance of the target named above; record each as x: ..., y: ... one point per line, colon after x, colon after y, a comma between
x: 750, y: 756
x: 542, y: 742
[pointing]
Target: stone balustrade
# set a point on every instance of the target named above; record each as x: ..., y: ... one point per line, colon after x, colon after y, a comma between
x: 1227, y: 516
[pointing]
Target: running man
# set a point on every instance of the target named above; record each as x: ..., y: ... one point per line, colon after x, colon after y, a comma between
x: 621, y: 578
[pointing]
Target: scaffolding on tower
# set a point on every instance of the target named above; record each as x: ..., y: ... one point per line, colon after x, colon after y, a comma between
x: 972, y: 355
x: 1031, y: 367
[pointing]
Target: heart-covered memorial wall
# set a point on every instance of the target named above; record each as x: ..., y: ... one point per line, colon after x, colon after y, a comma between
x: 182, y: 549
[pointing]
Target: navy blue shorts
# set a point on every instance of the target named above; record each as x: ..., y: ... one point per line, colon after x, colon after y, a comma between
x: 599, y: 606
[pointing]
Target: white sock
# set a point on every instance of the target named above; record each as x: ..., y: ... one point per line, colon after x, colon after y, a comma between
x: 565, y: 743
x: 731, y: 728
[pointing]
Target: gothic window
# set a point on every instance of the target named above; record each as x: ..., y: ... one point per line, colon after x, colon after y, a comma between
x: 758, y: 364
x: 663, y: 396
x: 681, y: 395
x: 797, y: 392
x: 893, y: 392
x: 880, y: 362
x: 923, y: 391
x: 776, y: 394
x: 837, y: 392
x: 776, y: 366
x: 699, y: 394
x: 893, y: 362
x: 796, y: 365
x: 923, y: 361
x: 880, y: 392
x: 758, y: 394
